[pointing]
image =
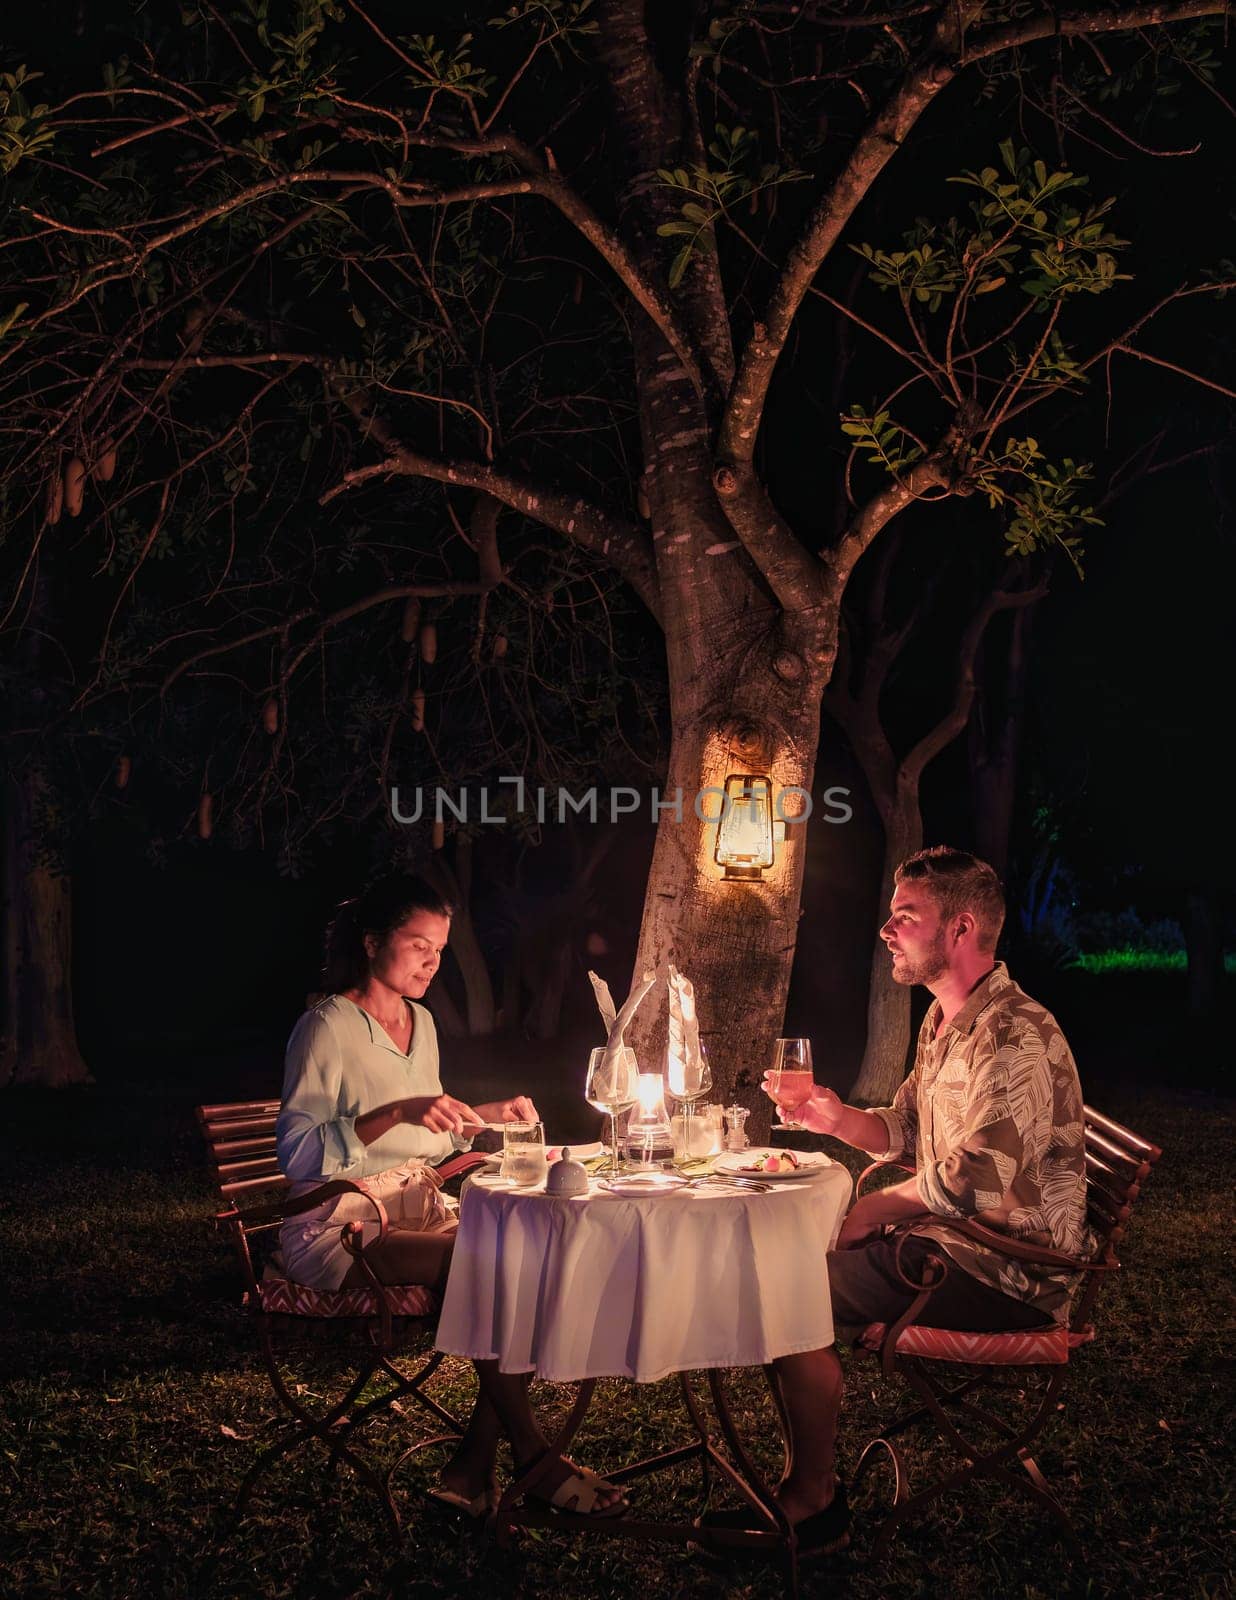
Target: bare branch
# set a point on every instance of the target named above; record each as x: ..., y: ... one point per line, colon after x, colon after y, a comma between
x: 958, y: 714
x: 1068, y: 25
x: 1158, y: 361
x: 612, y: 539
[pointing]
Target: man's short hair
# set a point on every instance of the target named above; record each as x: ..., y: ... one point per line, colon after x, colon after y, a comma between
x: 959, y: 882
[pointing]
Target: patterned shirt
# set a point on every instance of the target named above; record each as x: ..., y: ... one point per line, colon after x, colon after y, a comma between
x: 992, y: 1114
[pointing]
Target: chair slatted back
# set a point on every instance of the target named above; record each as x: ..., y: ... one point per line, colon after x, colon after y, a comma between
x: 240, y: 1137
x: 1118, y: 1162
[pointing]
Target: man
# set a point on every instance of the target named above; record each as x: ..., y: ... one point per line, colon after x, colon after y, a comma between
x: 991, y: 1121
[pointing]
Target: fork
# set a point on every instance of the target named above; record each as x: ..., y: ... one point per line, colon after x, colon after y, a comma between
x: 719, y: 1178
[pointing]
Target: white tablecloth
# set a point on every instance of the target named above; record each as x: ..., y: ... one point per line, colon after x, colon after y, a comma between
x: 612, y: 1286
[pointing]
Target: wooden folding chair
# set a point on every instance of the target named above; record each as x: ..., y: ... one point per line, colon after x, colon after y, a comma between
x: 947, y: 1369
x: 371, y: 1324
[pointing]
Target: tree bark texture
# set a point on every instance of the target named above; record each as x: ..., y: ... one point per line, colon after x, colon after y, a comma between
x: 995, y: 749
x: 1204, y: 952
x: 481, y: 1012
x: 39, y: 1037
x: 885, y: 1054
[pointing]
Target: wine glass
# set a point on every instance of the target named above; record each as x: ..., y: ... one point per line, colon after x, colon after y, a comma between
x: 685, y: 1082
x: 523, y: 1153
x: 610, y: 1087
x: 792, y: 1078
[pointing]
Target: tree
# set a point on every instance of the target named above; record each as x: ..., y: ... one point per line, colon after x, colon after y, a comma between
x: 871, y: 645
x: 288, y: 259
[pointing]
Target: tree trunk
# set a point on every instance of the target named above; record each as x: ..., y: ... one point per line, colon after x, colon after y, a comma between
x: 745, y: 674
x: 888, y: 1004
x: 40, y: 1040
x: 464, y: 945
x: 549, y: 991
x: 713, y: 928
x: 1204, y: 950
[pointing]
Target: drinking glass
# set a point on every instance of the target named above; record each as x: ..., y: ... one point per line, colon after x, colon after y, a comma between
x: 793, y: 1078
x: 686, y: 1082
x: 523, y: 1153
x: 610, y: 1087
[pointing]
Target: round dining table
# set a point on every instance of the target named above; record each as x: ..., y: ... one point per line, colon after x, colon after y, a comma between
x: 693, y: 1279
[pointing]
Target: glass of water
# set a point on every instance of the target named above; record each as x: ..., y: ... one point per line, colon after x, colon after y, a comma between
x: 523, y: 1153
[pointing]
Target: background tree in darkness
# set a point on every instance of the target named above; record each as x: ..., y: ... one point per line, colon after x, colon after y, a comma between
x: 874, y: 643
x: 305, y: 319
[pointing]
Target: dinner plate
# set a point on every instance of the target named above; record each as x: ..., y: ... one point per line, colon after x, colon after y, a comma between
x: 738, y: 1163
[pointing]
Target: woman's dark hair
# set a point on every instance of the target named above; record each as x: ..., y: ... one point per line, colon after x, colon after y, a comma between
x: 379, y: 911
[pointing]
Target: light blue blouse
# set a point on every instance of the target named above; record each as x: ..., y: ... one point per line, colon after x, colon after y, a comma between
x: 339, y: 1065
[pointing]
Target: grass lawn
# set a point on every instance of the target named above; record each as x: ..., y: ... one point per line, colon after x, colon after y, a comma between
x: 133, y: 1402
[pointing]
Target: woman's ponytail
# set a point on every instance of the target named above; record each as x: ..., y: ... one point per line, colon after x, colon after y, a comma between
x: 347, y: 962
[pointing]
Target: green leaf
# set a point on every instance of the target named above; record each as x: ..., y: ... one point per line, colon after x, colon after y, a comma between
x: 7, y: 322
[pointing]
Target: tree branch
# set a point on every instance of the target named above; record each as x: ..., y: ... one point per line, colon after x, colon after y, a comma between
x: 935, y: 471
x: 949, y: 51
x: 405, y: 196
x: 1158, y: 361
x: 791, y: 572
x: 951, y: 724
x: 612, y: 539
x: 923, y: 80
x: 1068, y: 25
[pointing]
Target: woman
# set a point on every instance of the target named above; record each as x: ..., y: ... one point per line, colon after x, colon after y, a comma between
x: 362, y: 1099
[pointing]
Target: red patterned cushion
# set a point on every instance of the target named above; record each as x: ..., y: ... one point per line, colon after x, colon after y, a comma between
x: 1046, y: 1347
x: 295, y: 1300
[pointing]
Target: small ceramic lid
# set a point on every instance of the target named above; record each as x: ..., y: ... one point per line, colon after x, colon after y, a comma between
x: 566, y: 1177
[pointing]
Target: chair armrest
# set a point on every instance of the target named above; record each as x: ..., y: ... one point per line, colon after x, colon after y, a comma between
x: 277, y: 1210
x: 1037, y: 1255
x: 877, y: 1166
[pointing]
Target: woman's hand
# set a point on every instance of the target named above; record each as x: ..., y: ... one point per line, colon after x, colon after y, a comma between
x: 442, y: 1113
x: 520, y: 1109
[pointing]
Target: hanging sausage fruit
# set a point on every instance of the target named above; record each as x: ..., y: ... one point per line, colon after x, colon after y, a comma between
x: 74, y: 485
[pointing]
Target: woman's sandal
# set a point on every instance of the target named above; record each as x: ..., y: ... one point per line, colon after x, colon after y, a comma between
x: 580, y: 1493
x: 478, y: 1509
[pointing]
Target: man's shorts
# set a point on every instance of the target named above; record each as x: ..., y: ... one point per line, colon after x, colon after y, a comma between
x: 866, y: 1288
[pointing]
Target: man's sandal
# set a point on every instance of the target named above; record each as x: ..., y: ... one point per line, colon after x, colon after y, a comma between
x: 825, y: 1533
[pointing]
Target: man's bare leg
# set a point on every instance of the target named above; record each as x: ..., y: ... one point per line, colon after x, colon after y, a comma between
x: 812, y: 1387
